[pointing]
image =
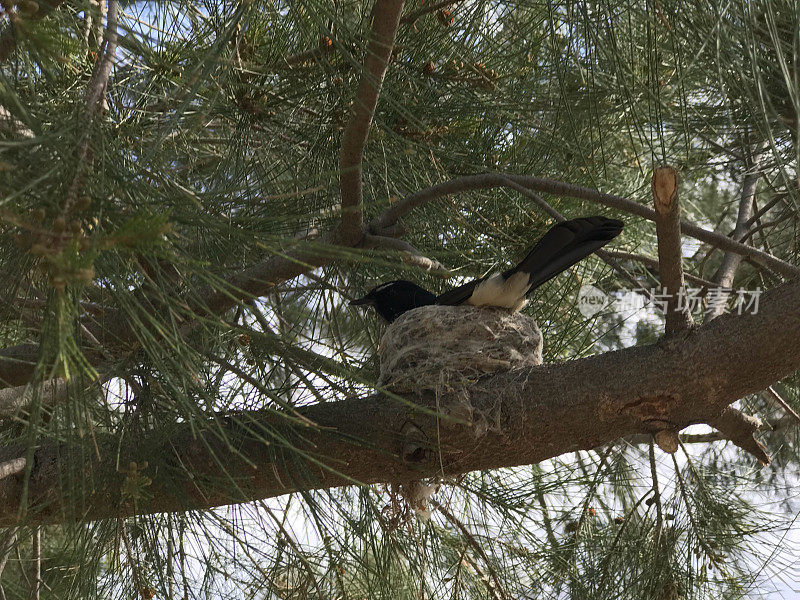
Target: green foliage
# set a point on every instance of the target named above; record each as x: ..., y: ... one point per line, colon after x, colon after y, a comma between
x: 217, y: 148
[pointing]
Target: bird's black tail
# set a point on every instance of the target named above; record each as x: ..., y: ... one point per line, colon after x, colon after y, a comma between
x: 564, y: 245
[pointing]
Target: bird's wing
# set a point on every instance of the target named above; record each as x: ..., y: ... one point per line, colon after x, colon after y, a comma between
x: 564, y: 245
x: 460, y: 294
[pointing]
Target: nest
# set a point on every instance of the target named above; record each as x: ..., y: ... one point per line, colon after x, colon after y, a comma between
x: 444, y: 348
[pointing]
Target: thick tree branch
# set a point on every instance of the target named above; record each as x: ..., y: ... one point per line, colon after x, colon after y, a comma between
x: 540, y: 413
x: 493, y: 180
x: 385, y: 21
x: 15, y: 399
x: 11, y: 127
x: 14, y: 466
x: 668, y: 232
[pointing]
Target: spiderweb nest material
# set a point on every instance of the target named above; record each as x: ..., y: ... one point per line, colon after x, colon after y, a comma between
x: 447, y: 348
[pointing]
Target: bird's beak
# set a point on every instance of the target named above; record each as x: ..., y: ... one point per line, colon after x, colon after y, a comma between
x: 365, y: 301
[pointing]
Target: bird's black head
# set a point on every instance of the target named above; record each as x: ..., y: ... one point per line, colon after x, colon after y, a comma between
x: 390, y: 300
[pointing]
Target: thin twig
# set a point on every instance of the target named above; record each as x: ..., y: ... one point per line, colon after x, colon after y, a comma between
x: 656, y: 491
x: 410, y: 255
x: 102, y: 69
x: 298, y: 59
x: 764, y: 209
x: 774, y: 396
x: 9, y: 540
x: 93, y: 24
x: 499, y: 590
x: 36, y: 551
x: 548, y: 526
x: 685, y: 496
x: 325, y: 48
x: 385, y: 21
x: 15, y: 399
x: 773, y: 425
x: 537, y: 199
x: 760, y: 227
x: 132, y: 560
x: 652, y: 263
x: 604, y: 255
x: 609, y: 552
x: 11, y: 126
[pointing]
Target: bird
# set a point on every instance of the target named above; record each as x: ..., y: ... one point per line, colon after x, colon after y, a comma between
x: 392, y: 299
x: 564, y: 244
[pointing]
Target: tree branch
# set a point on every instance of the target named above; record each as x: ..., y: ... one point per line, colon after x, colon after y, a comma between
x: 10, y: 126
x: 17, y: 362
x: 14, y: 466
x: 541, y: 412
x: 772, y: 396
x: 668, y: 232
x: 93, y: 101
x: 36, y: 553
x: 493, y: 180
x: 98, y: 83
x: 409, y: 254
x: 385, y: 21
x: 726, y: 273
x: 739, y: 429
x: 495, y: 587
x: 7, y: 542
x: 326, y: 48
x: 774, y: 425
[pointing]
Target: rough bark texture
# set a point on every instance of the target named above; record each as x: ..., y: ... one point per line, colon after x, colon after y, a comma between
x: 539, y: 413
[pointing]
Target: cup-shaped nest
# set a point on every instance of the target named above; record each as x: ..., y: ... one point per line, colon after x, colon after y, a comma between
x: 442, y: 348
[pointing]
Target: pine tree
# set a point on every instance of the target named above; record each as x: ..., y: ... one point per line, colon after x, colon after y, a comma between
x: 190, y: 193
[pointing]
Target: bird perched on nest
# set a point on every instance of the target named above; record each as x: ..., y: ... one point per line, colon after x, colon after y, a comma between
x: 561, y: 247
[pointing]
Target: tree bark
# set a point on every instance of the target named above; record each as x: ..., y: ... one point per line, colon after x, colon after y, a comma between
x: 536, y: 414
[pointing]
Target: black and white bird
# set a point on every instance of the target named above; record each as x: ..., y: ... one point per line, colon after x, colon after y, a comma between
x: 561, y: 247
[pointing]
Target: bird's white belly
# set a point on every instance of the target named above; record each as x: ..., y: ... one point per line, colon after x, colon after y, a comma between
x: 504, y: 293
